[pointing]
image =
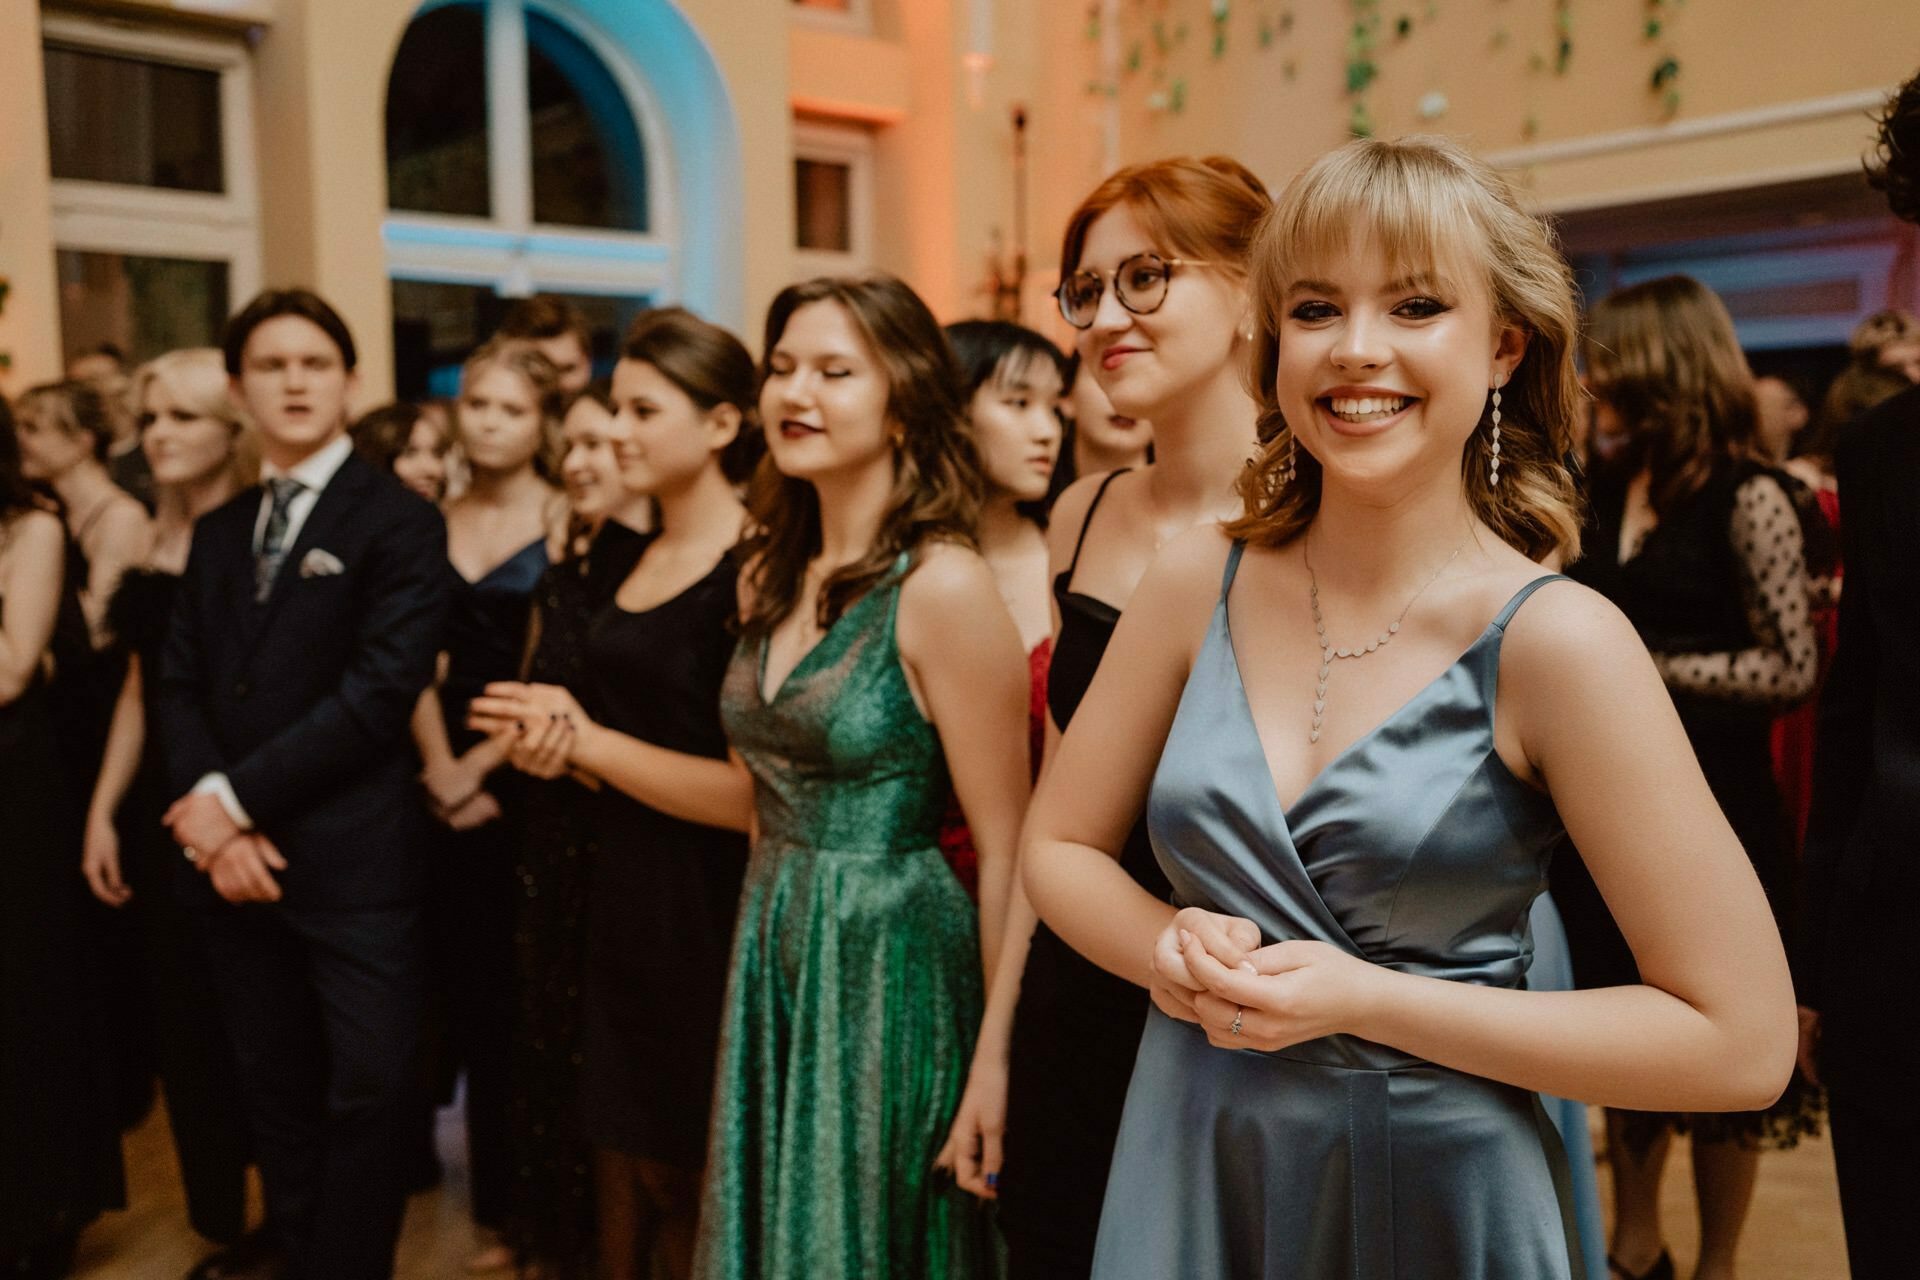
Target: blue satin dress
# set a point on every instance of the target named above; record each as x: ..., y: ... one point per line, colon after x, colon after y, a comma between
x: 1414, y: 848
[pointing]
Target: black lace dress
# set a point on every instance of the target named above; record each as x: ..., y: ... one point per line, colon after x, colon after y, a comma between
x: 1076, y: 1028
x: 1718, y: 591
x: 552, y: 1215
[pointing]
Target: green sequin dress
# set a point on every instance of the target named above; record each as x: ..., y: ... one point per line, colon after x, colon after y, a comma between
x: 854, y: 994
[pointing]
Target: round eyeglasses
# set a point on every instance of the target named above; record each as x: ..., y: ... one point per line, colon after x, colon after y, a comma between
x: 1139, y: 285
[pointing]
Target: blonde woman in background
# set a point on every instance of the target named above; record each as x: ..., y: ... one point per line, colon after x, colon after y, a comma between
x: 501, y: 533
x: 200, y: 454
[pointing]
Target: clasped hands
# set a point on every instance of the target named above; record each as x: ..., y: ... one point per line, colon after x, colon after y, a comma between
x: 239, y: 863
x: 540, y: 722
x: 1210, y: 969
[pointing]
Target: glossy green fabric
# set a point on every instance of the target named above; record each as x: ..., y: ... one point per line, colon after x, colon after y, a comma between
x: 855, y: 993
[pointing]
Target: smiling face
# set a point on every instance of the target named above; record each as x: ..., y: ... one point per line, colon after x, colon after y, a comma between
x: 183, y: 445
x: 591, y: 468
x: 422, y: 462
x: 1384, y: 368
x: 667, y: 440
x: 825, y: 397
x: 1147, y: 364
x: 295, y: 384
x: 500, y: 422
x: 1015, y: 423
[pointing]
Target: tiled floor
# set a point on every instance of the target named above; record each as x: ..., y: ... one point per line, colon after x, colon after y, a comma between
x: 1793, y: 1233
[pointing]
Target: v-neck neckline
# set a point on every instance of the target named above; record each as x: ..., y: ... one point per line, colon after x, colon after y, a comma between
x: 1287, y: 811
x: 474, y: 582
x: 766, y: 645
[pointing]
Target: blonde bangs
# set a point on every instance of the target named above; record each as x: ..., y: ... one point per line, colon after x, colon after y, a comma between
x: 1413, y: 210
x: 1428, y: 207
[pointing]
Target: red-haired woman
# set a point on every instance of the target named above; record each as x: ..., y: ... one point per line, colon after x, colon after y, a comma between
x: 1152, y: 277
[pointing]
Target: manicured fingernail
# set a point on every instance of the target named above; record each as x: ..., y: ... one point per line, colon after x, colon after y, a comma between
x: 1185, y: 937
x: 1247, y: 966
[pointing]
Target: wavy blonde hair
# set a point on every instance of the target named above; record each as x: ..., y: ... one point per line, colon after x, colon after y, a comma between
x: 197, y: 379
x: 1423, y: 201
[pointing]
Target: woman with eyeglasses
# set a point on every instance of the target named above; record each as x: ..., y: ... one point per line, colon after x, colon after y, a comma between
x: 1152, y: 280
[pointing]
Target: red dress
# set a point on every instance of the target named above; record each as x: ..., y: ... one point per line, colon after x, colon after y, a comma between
x: 956, y: 841
x: 1794, y: 732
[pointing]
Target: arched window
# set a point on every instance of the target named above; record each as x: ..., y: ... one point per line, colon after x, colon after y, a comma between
x: 523, y: 156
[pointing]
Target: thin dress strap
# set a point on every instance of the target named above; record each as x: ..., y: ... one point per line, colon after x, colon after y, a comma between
x: 1233, y: 566
x: 1086, y: 522
x: 1520, y: 597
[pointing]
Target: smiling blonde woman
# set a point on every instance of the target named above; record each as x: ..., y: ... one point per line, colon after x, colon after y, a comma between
x: 1339, y: 1075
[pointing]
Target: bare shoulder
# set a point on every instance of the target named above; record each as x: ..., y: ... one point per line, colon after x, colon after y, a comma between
x: 31, y: 539
x: 1567, y: 637
x: 124, y: 517
x: 1070, y: 513
x: 1180, y: 588
x: 33, y: 530
x: 947, y: 576
x: 1198, y: 554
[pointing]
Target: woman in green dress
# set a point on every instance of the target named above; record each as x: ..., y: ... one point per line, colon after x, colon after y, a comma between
x: 876, y: 661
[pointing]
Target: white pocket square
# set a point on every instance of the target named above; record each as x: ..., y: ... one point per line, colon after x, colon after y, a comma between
x: 320, y: 564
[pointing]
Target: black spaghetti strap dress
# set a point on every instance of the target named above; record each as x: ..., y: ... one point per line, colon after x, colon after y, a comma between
x: 1077, y: 1027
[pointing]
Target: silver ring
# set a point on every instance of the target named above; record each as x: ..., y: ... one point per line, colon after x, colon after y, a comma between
x: 1237, y: 1015
x: 191, y: 854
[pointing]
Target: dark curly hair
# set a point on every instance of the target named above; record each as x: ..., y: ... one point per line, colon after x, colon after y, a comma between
x: 1895, y: 167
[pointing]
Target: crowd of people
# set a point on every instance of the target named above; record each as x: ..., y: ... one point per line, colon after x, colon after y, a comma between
x: 930, y: 804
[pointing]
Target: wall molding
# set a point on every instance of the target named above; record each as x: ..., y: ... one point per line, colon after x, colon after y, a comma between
x: 1773, y: 116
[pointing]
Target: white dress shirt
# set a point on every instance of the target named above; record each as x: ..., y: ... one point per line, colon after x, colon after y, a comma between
x: 313, y: 472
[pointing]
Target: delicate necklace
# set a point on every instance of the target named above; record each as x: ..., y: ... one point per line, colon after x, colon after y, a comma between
x: 1327, y: 652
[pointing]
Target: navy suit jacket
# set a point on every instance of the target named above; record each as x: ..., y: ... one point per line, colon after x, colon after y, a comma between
x: 1859, y: 962
x: 304, y: 700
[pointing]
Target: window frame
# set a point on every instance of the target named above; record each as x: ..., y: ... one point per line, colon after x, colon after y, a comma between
x: 508, y: 251
x: 852, y: 146
x: 153, y: 222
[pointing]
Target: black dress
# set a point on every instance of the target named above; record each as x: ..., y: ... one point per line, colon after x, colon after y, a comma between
x: 471, y: 900
x: 551, y: 1219
x: 1718, y: 592
x: 665, y: 891
x: 194, y: 1055
x: 1077, y: 1027
x: 59, y: 1147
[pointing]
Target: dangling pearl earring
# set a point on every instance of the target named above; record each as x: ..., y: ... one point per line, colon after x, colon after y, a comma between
x: 1493, y: 461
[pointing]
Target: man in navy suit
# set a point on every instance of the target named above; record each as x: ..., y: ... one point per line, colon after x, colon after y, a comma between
x: 305, y: 627
x: 1858, y: 967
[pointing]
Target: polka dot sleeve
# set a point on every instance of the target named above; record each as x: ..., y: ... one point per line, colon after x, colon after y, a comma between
x: 1780, y: 668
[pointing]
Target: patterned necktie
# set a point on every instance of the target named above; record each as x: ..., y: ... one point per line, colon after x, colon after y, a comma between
x: 273, y: 545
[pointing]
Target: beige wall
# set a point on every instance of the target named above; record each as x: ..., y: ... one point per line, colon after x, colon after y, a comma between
x: 1736, y: 57
x: 30, y: 325
x: 320, y: 89
x: 749, y: 40
x: 943, y: 172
